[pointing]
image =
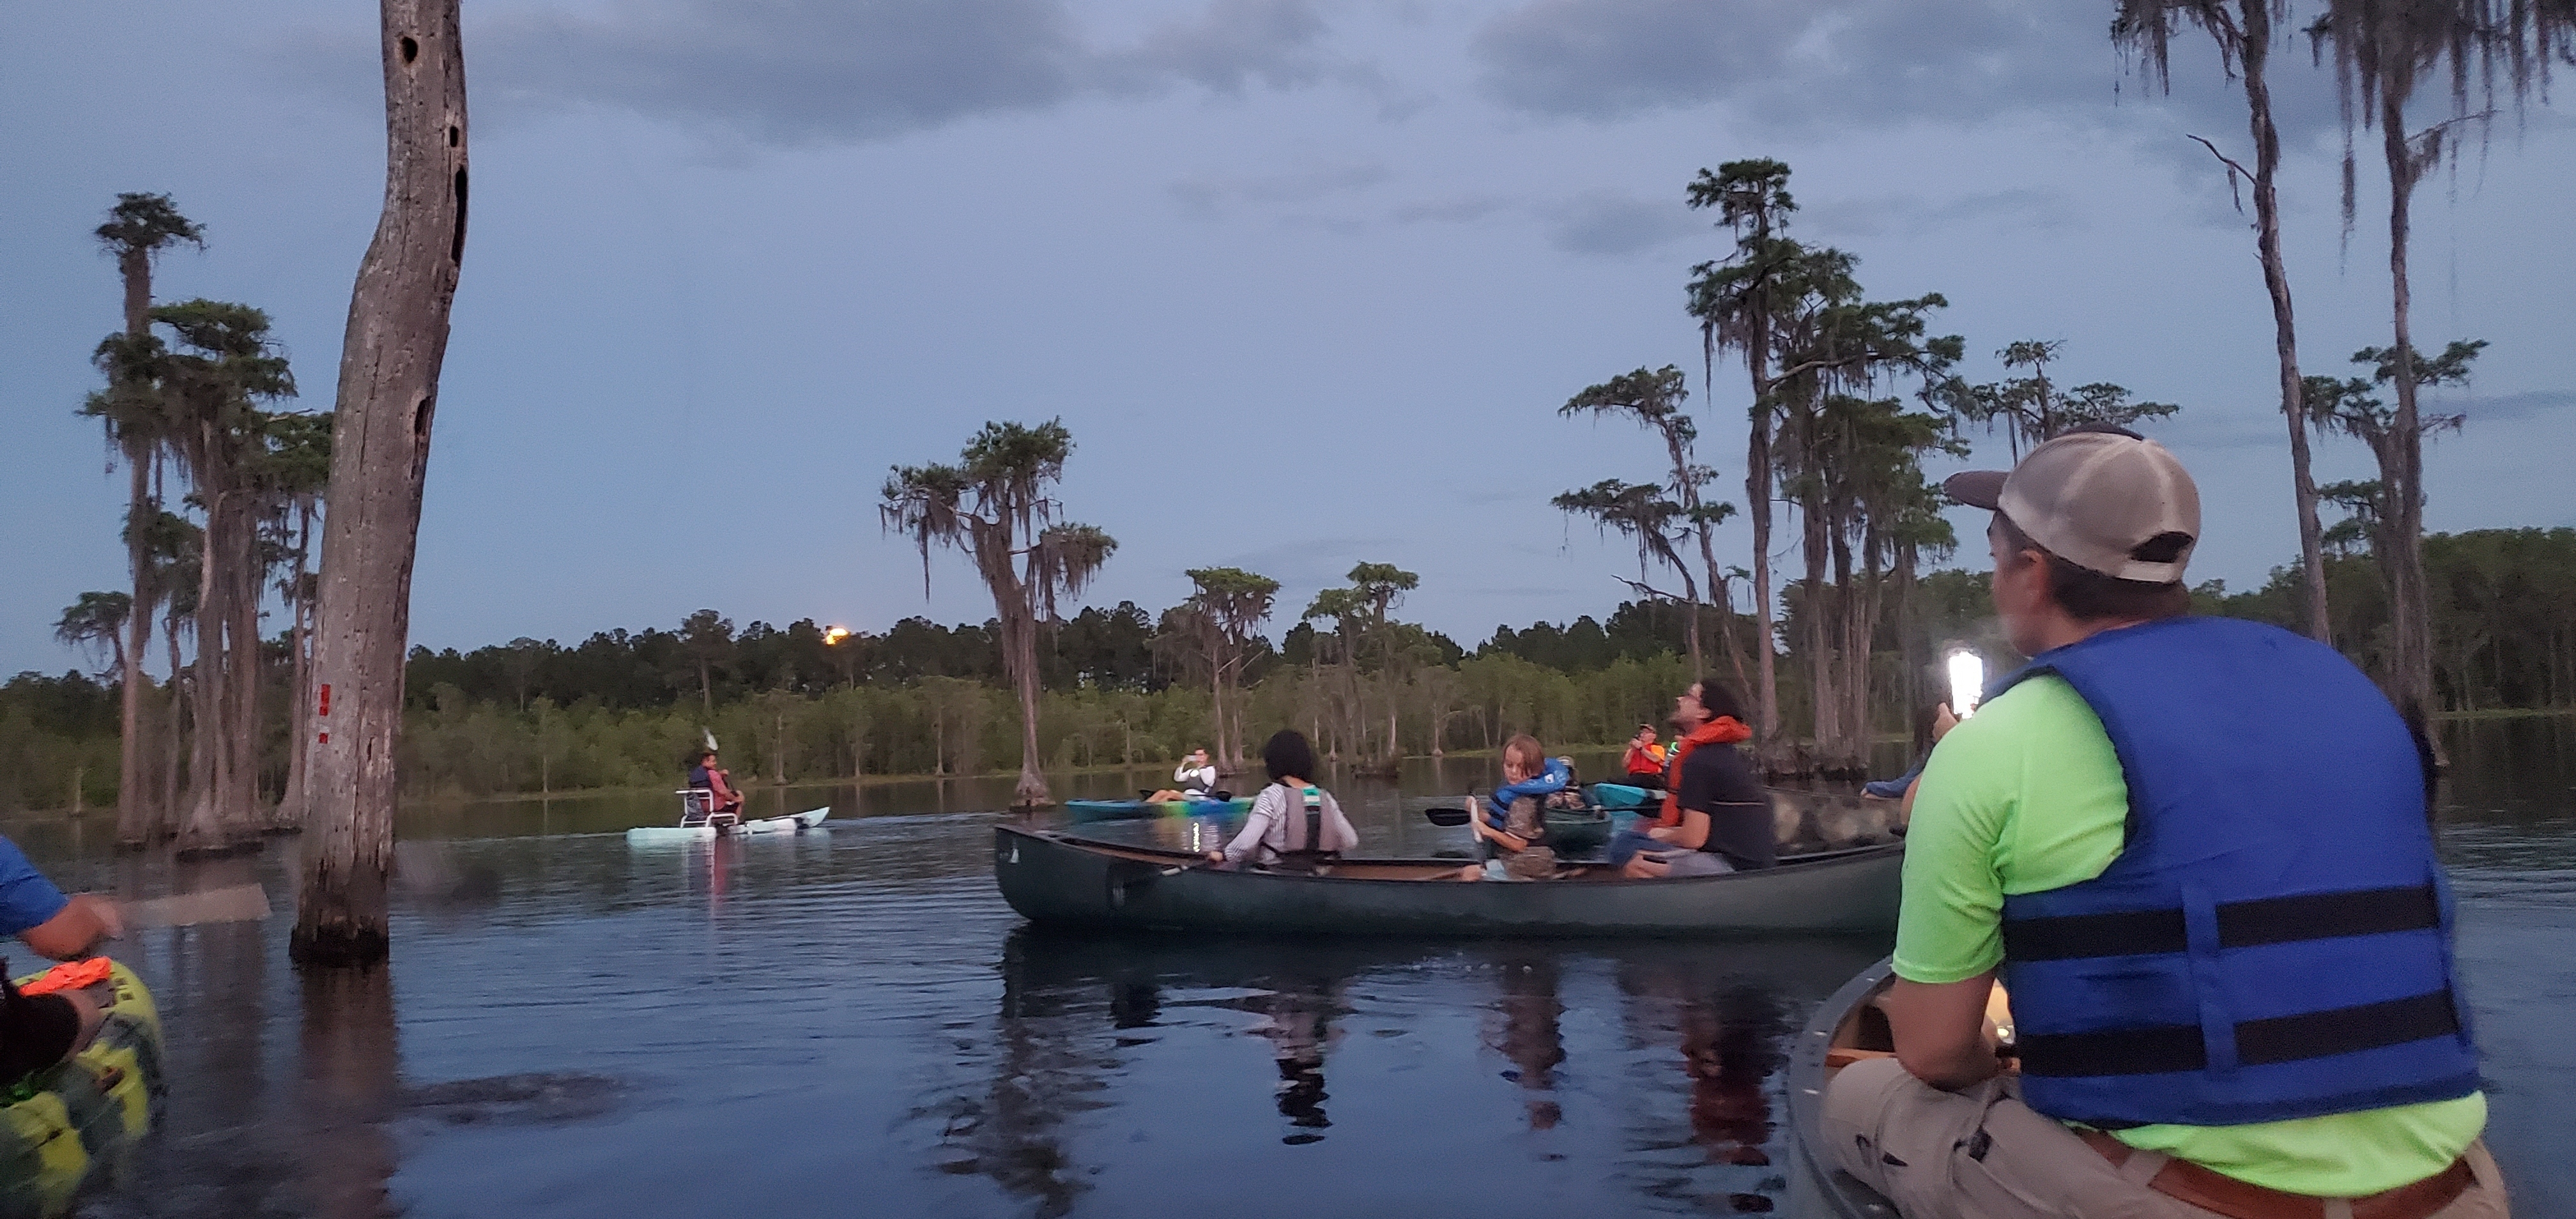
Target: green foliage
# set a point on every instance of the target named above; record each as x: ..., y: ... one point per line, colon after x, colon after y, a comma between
x: 96, y: 619
x: 57, y: 733
x: 2031, y: 409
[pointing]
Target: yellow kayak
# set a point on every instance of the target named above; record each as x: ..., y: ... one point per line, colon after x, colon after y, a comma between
x: 71, y: 1126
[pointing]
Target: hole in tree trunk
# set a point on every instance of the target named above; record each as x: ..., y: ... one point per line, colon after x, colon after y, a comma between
x: 453, y: 135
x: 410, y: 48
x: 456, y: 248
x: 420, y: 420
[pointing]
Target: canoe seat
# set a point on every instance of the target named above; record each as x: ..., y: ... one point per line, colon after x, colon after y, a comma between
x: 694, y: 803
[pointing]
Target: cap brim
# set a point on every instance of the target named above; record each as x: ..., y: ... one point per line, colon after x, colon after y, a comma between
x: 1976, y: 488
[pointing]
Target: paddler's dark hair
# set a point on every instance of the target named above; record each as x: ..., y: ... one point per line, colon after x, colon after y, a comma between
x: 1288, y: 756
x: 1720, y: 699
x: 2090, y: 596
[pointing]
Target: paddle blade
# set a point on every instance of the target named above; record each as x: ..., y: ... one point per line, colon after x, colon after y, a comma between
x: 1447, y: 816
x: 239, y: 903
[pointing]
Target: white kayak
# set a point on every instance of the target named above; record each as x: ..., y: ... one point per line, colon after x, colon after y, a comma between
x: 811, y: 820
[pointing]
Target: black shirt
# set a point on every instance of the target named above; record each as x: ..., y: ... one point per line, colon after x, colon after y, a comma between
x: 1717, y: 780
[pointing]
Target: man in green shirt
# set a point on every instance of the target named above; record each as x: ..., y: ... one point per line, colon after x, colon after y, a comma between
x: 2029, y: 797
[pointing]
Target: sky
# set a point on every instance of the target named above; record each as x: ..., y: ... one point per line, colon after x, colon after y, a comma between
x: 1306, y: 279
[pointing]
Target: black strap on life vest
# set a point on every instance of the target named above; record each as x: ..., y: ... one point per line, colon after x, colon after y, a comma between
x: 2165, y: 1048
x: 2246, y: 924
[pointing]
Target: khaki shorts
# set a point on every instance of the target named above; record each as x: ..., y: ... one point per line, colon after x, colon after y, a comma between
x: 1983, y: 1154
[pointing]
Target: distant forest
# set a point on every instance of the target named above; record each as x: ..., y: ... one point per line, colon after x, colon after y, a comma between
x: 792, y: 703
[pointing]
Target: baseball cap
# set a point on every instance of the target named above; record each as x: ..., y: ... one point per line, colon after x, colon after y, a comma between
x: 2094, y: 497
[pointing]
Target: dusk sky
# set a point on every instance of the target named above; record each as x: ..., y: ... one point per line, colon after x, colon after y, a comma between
x: 1306, y: 279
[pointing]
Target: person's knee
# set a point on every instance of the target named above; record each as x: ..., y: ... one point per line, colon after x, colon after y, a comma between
x: 1857, y: 1100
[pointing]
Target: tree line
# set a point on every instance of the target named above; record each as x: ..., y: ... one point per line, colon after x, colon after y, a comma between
x: 621, y: 708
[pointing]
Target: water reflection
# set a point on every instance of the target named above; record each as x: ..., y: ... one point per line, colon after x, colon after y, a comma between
x: 857, y: 1016
x: 352, y: 1075
x: 1657, y: 1060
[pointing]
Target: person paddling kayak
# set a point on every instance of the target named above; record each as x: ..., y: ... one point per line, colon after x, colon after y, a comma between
x: 37, y: 1031
x: 2198, y: 852
x: 1193, y: 779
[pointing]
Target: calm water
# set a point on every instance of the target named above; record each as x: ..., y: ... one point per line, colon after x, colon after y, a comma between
x: 857, y: 1024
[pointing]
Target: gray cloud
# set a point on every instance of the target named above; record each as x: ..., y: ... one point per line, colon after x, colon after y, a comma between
x: 1826, y: 65
x: 2523, y: 406
x: 1232, y: 45
x: 1609, y: 223
x: 818, y: 71
x: 1606, y: 59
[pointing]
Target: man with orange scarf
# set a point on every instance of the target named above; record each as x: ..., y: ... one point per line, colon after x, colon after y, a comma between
x: 1716, y: 817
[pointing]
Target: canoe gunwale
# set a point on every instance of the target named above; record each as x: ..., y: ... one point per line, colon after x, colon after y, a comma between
x: 1153, y: 854
x: 1817, y: 1187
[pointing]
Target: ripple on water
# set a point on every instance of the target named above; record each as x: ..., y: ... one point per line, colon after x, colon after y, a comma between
x: 856, y: 1021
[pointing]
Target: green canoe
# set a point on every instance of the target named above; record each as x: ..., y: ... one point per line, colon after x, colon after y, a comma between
x: 1052, y: 877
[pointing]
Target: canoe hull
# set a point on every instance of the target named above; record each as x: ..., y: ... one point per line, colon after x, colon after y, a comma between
x: 1086, y: 811
x: 1050, y: 878
x: 809, y: 821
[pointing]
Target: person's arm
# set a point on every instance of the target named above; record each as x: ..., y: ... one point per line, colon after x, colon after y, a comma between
x: 79, y: 927
x: 1692, y: 833
x: 1940, y: 1030
x: 1248, y: 839
x: 1339, y: 834
x: 1503, y: 839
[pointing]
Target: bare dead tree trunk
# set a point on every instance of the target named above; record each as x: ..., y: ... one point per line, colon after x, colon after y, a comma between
x: 289, y: 816
x: 389, y: 366
x: 134, y: 812
x: 241, y: 805
x: 134, y: 815
x: 2411, y: 632
x: 174, y: 735
x: 1020, y: 645
x: 1757, y: 496
x: 209, y: 776
x: 2255, y: 57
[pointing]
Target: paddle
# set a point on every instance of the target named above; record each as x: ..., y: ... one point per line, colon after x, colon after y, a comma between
x: 239, y: 903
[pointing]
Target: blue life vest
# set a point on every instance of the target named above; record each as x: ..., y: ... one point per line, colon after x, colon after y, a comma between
x: 1555, y: 777
x: 2274, y: 941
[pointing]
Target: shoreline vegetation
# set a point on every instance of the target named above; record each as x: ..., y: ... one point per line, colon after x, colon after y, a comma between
x: 1000, y: 773
x: 805, y: 705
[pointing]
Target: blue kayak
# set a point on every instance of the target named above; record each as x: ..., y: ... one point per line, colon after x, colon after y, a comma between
x: 1127, y: 810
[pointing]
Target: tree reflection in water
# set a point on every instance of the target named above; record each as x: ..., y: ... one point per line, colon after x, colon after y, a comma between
x: 351, y: 1088
x: 1014, y: 1133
